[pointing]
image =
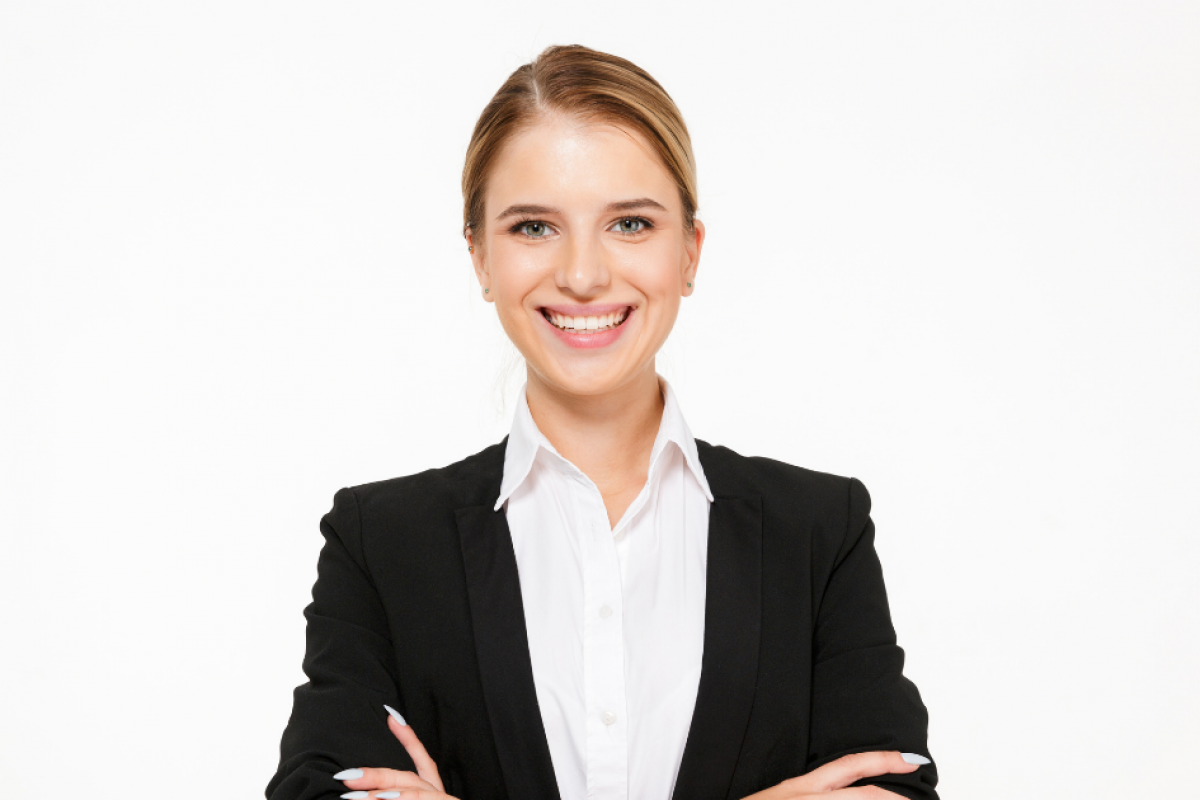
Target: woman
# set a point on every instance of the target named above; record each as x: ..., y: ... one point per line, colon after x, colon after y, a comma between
x: 599, y: 605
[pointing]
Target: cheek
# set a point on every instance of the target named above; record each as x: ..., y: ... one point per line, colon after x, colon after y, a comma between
x: 665, y: 315
x: 515, y: 269
x: 655, y: 269
x: 515, y: 272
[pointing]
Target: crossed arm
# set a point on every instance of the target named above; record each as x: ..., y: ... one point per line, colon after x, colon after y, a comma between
x: 831, y: 781
x: 352, y: 674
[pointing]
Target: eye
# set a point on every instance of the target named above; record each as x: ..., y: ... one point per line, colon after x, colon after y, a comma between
x: 631, y: 225
x: 532, y: 228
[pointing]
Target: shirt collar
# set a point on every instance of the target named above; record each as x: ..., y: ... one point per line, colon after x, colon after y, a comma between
x: 525, y: 440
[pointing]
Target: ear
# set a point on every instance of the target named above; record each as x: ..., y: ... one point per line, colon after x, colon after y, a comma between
x: 692, y: 247
x: 480, y: 265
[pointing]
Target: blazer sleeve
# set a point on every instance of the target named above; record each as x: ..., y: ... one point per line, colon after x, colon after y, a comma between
x: 861, y: 699
x: 338, y: 719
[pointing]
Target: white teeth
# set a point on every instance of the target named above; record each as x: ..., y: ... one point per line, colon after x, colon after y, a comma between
x: 599, y: 323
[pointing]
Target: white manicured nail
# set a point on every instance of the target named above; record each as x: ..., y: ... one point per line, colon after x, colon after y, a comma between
x: 913, y: 758
x: 348, y: 775
x: 356, y: 795
x: 395, y: 714
x: 388, y: 795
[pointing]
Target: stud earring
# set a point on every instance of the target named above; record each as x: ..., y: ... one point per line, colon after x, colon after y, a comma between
x: 485, y: 291
x: 470, y: 249
x: 689, y: 285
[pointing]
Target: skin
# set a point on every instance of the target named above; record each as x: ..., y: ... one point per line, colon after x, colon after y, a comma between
x: 829, y: 782
x: 600, y: 407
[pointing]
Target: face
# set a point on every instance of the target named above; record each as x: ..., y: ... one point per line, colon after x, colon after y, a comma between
x: 585, y: 254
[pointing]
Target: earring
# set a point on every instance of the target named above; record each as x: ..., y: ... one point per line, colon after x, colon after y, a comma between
x: 485, y: 291
x: 689, y: 285
x: 470, y: 249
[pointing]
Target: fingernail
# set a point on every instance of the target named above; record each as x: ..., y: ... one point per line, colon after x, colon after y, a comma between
x: 356, y: 795
x: 913, y: 758
x: 348, y: 775
x: 395, y: 715
x: 388, y: 795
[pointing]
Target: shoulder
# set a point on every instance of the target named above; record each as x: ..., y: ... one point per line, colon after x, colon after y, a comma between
x: 463, y: 483
x: 731, y: 473
x: 422, y: 499
x: 829, y: 511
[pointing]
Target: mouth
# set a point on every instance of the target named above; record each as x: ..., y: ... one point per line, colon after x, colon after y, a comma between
x: 587, y: 324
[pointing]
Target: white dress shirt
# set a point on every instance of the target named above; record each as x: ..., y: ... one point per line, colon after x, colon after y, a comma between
x: 615, y: 616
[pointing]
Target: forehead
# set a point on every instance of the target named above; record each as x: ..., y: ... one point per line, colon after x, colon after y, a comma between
x: 566, y: 161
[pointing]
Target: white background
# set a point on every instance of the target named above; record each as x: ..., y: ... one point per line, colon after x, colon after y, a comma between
x: 954, y: 250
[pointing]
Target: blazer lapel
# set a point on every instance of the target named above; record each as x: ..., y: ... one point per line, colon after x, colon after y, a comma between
x: 502, y: 647
x: 732, y: 628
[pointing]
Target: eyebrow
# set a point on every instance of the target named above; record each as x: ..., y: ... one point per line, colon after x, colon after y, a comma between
x: 620, y: 205
x: 632, y: 205
x: 527, y: 210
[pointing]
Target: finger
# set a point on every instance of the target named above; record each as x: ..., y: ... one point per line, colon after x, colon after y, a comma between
x: 861, y: 793
x: 783, y: 791
x: 425, y: 765
x: 381, y: 779
x: 847, y: 769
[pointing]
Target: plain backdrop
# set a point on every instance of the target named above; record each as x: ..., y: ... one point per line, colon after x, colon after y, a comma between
x: 954, y: 251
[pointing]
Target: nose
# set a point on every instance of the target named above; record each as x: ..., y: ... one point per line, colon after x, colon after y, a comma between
x: 583, y: 270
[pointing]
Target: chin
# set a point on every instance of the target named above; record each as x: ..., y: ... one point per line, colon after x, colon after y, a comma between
x: 586, y: 379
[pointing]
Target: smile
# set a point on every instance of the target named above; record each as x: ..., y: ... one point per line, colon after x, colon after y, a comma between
x: 586, y: 324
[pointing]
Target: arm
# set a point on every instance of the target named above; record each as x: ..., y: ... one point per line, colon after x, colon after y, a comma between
x: 861, y: 699
x: 338, y: 716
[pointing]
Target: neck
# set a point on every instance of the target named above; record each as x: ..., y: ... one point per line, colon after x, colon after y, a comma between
x: 608, y: 437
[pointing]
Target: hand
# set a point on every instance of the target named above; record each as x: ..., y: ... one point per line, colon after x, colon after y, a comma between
x: 385, y: 784
x: 831, y: 780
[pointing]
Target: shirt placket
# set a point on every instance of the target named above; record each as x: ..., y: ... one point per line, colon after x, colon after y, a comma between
x: 603, y: 650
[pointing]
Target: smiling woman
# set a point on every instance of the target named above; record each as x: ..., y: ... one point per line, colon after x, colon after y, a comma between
x: 585, y: 229
x: 600, y: 605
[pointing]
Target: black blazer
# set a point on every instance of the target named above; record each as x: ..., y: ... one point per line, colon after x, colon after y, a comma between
x: 417, y: 604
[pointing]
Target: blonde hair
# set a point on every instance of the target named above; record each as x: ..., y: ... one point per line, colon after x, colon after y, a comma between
x: 577, y: 80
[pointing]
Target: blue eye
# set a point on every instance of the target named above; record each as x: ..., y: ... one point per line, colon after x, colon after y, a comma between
x: 631, y: 225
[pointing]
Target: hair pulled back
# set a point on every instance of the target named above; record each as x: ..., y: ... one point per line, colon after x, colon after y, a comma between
x: 579, y: 81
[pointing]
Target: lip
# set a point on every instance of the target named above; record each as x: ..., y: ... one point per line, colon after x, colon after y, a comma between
x: 592, y: 310
x: 588, y: 341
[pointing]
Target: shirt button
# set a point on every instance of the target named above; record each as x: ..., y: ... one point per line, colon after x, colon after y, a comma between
x: 605, y: 612
x: 608, y: 718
